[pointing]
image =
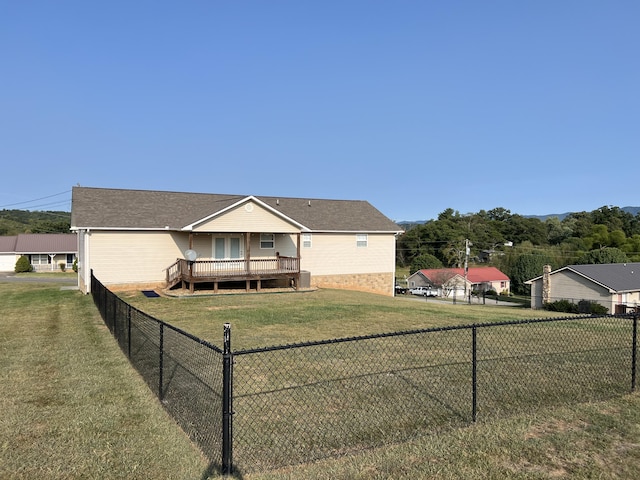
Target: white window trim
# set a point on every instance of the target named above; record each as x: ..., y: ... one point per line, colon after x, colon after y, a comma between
x: 267, y: 238
x: 362, y: 240
x: 306, y: 240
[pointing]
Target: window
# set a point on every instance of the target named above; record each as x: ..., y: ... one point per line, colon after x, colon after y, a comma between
x: 70, y: 259
x: 361, y: 240
x: 306, y: 240
x: 40, y: 259
x: 267, y: 241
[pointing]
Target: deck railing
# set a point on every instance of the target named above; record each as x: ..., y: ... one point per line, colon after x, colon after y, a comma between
x: 220, y: 269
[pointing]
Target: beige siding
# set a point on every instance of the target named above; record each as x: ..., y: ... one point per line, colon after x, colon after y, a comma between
x: 135, y: 257
x: 337, y: 253
x: 249, y: 217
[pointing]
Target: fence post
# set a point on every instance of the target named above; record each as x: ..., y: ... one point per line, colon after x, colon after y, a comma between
x: 634, y: 352
x: 474, y: 372
x: 227, y: 402
x: 161, y: 363
x: 128, y: 331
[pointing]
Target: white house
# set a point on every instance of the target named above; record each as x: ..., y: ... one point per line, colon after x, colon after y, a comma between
x: 143, y: 237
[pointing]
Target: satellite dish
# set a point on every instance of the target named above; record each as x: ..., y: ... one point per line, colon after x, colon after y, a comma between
x: 190, y: 255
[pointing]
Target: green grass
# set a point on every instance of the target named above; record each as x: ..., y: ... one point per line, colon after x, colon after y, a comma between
x: 71, y: 405
x: 73, y: 408
x: 282, y: 318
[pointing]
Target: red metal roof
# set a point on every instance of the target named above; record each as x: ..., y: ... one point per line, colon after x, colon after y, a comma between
x: 474, y: 274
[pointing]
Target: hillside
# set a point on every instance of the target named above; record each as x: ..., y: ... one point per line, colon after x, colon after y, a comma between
x: 632, y: 210
x: 13, y: 222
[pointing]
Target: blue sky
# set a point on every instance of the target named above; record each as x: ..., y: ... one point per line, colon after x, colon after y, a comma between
x: 415, y: 106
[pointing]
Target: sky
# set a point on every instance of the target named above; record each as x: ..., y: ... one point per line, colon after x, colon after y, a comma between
x: 415, y: 106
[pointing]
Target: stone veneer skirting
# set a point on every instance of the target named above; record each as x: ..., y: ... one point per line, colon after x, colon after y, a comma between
x: 381, y: 283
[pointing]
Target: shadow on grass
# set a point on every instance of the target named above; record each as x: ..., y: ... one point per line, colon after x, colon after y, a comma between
x: 214, y: 470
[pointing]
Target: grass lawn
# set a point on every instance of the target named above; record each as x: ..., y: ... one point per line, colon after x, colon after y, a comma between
x: 71, y: 405
x: 282, y: 318
x: 73, y: 408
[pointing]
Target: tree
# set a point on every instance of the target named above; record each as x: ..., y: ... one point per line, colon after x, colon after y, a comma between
x: 526, y: 267
x: 23, y: 265
x: 424, y: 261
x: 603, y: 255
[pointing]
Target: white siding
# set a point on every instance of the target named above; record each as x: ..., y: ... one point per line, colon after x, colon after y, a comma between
x: 337, y: 253
x: 8, y: 262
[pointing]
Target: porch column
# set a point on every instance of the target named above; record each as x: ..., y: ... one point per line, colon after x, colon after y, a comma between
x: 297, y: 277
x: 247, y: 252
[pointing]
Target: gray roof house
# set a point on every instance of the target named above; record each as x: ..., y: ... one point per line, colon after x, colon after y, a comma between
x: 613, y: 285
x: 165, y: 239
x: 46, y: 251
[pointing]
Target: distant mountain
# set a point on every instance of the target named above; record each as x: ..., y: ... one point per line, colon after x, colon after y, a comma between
x: 632, y: 210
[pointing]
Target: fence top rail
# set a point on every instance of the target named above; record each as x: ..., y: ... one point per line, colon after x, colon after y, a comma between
x: 202, y: 342
x: 424, y: 330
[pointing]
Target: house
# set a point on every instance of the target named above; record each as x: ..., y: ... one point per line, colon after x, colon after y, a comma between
x: 159, y: 238
x: 45, y: 251
x: 451, y: 281
x: 616, y: 286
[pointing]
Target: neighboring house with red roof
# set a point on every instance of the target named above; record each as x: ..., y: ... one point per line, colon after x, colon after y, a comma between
x: 451, y: 281
x: 134, y: 238
x: 45, y: 251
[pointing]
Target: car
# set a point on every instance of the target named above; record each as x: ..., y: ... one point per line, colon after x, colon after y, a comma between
x: 400, y: 290
x: 424, y: 291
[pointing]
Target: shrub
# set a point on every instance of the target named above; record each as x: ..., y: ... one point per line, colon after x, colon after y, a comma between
x: 23, y: 265
x: 561, y: 306
x: 63, y: 266
x: 75, y: 265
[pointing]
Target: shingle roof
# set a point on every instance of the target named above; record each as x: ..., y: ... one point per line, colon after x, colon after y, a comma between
x: 147, y: 209
x: 620, y: 277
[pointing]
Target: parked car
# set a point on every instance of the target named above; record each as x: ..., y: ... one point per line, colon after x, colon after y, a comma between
x: 424, y: 291
x: 400, y: 290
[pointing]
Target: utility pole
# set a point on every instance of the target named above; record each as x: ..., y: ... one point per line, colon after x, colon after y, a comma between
x: 467, y: 295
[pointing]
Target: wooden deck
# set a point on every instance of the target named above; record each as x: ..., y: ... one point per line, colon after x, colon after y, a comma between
x: 219, y: 271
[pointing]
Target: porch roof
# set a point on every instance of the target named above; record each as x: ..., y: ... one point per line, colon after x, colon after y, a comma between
x: 103, y: 208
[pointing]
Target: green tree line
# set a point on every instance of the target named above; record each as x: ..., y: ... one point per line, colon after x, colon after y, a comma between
x: 13, y: 222
x: 520, y: 246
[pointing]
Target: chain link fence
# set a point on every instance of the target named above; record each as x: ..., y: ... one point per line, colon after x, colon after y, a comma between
x: 184, y: 371
x: 260, y: 409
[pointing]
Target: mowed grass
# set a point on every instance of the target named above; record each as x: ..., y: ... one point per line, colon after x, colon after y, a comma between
x: 73, y: 408
x: 259, y: 320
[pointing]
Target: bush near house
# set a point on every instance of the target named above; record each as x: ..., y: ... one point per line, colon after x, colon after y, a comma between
x: 583, y: 306
x: 23, y: 265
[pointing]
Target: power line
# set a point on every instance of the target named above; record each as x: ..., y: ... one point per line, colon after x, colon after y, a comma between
x: 36, y: 199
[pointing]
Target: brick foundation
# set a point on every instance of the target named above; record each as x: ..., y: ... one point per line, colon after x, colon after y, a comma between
x: 381, y: 283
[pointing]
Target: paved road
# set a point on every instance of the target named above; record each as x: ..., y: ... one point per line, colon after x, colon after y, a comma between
x: 461, y: 301
x: 37, y: 278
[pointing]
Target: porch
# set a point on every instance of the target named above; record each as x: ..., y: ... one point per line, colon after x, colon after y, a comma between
x: 190, y: 273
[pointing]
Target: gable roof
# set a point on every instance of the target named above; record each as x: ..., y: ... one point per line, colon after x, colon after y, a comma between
x: 26, y: 243
x: 104, y: 208
x: 474, y: 274
x: 618, y: 277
